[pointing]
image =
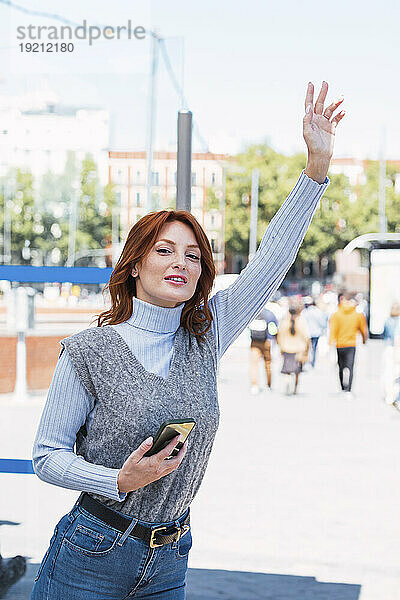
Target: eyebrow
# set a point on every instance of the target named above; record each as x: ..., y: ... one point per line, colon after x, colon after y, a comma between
x: 171, y: 242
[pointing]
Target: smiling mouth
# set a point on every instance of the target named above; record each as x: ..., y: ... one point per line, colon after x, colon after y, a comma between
x: 177, y: 281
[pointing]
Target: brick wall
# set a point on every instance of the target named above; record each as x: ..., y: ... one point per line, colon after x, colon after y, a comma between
x: 41, y: 358
x: 8, y: 360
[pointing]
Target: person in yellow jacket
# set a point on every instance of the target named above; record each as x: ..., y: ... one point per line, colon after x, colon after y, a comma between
x: 344, y: 325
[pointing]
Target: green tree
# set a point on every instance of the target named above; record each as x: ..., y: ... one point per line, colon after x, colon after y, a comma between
x: 94, y: 221
x: 369, y: 198
x: 332, y: 226
x: 40, y: 226
x: 93, y: 210
x: 393, y: 199
x: 278, y: 175
x: 26, y: 222
x: 364, y: 212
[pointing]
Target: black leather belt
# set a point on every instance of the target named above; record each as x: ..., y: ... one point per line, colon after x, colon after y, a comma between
x: 152, y: 536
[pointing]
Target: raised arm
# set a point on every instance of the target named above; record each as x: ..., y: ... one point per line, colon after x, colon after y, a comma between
x: 236, y: 306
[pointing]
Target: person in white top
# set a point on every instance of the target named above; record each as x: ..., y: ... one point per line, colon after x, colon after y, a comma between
x: 317, y: 322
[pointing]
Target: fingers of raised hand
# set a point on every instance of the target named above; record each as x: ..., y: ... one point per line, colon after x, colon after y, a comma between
x: 338, y: 118
x: 328, y: 112
x: 319, y: 105
x: 328, y: 124
x: 309, y: 95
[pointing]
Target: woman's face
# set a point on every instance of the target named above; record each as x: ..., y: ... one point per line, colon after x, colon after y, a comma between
x: 175, y: 254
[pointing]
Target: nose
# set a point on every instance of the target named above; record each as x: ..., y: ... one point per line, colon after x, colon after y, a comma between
x: 179, y: 263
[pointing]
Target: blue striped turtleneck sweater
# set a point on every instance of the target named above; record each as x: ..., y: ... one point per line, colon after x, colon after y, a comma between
x: 150, y: 332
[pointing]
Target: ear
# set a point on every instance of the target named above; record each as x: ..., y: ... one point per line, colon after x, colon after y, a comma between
x: 134, y: 272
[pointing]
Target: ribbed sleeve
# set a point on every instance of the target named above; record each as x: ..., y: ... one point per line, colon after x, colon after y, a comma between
x: 235, y: 307
x: 67, y: 408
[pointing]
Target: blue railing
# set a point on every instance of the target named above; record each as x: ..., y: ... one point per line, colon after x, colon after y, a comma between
x: 29, y: 274
x: 16, y: 465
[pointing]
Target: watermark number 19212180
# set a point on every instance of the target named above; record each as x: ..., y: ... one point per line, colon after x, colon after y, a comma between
x: 48, y: 47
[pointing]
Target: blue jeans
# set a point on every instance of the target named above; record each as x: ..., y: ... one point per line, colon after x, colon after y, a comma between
x: 314, y: 344
x: 89, y: 560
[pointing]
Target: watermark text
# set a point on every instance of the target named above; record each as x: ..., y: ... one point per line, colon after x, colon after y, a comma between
x: 89, y: 33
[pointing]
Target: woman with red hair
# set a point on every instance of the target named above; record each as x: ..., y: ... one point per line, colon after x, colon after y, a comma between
x: 152, y: 358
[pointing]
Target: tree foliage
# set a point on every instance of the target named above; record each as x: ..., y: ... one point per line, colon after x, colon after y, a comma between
x: 94, y: 213
x: 40, y: 221
x: 40, y: 213
x: 343, y: 214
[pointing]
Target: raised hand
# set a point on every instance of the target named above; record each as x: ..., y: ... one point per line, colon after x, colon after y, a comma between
x: 319, y: 127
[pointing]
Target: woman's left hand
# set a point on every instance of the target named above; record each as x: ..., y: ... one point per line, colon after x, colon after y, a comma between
x: 319, y: 127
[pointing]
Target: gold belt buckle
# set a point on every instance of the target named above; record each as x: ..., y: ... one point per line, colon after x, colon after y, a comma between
x: 184, y: 529
x: 153, y: 532
x: 181, y: 531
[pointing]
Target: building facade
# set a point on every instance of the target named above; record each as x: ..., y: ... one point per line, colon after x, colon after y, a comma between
x: 128, y: 170
x: 355, y: 170
x: 38, y: 133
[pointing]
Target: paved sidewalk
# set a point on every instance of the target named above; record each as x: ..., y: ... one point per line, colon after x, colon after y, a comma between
x: 299, y: 501
x: 203, y: 584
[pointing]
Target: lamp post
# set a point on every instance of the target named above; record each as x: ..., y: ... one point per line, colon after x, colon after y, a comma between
x: 382, y: 187
x: 255, y: 175
x: 9, y: 191
x: 72, y: 224
x: 184, y: 161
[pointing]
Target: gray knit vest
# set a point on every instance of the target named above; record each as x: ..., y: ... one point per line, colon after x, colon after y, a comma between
x: 130, y: 405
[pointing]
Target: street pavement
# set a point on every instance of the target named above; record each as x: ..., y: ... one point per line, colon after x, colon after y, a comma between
x: 299, y: 501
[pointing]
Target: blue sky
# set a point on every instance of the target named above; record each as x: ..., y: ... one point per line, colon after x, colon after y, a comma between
x: 246, y: 66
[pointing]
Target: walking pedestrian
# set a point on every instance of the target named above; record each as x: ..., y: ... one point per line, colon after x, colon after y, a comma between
x: 391, y: 357
x: 294, y: 342
x: 153, y: 357
x: 263, y: 332
x: 391, y: 330
x: 316, y: 322
x: 345, y: 324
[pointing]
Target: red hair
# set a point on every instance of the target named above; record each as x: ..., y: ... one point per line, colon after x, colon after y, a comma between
x: 140, y: 240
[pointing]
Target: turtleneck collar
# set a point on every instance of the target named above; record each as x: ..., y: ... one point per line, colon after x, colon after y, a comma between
x: 155, y: 318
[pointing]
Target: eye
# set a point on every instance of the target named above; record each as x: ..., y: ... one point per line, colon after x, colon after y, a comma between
x: 192, y: 256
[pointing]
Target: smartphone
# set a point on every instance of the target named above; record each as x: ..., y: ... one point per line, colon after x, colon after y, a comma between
x: 167, y: 431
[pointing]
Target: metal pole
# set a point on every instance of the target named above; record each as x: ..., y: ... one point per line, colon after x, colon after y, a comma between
x: 382, y: 187
x: 9, y: 190
x: 31, y: 307
x: 222, y: 208
x: 115, y: 234
x: 21, y: 300
x: 151, y: 121
x: 3, y: 191
x: 72, y: 226
x: 255, y: 175
x: 184, y: 161
x: 7, y: 229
